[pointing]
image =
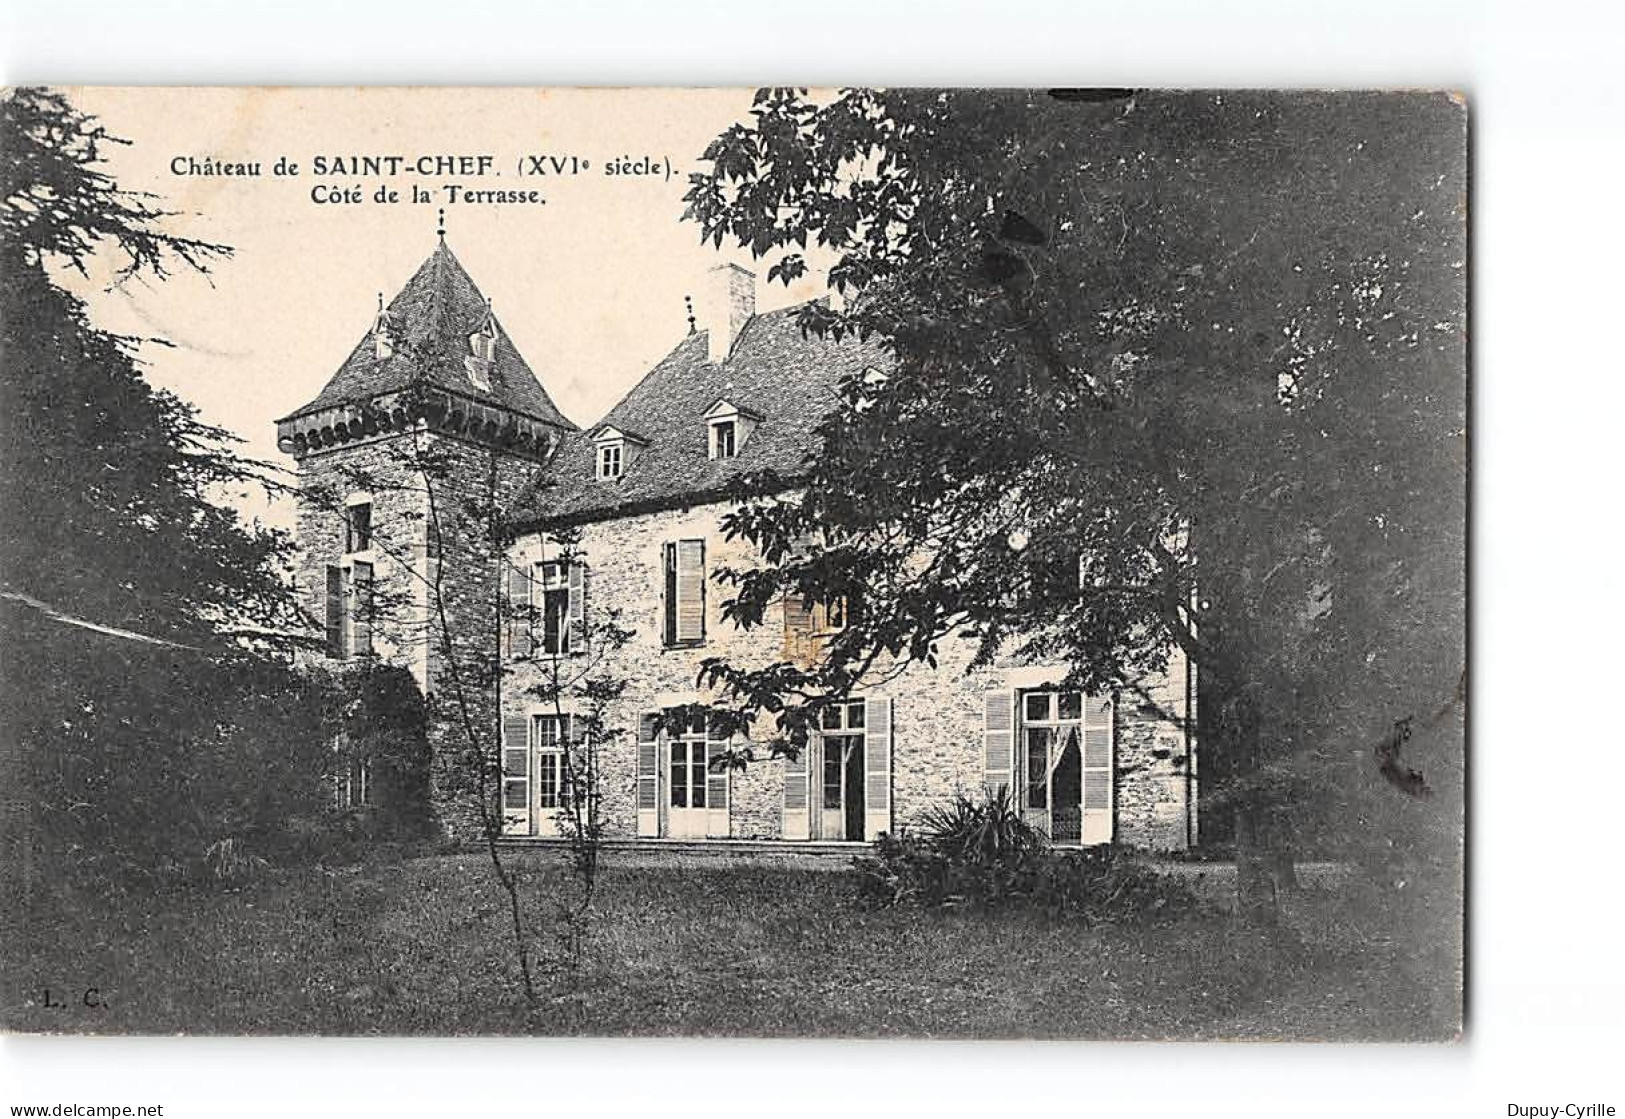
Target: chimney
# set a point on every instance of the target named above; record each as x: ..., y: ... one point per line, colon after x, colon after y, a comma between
x: 731, y: 303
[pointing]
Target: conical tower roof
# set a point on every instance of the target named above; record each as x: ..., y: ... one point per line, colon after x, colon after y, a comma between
x: 429, y: 323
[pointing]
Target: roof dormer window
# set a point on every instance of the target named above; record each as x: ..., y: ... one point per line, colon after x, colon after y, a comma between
x: 614, y: 451
x: 730, y: 426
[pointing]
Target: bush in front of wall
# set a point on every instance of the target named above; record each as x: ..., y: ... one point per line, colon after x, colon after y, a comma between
x: 982, y: 855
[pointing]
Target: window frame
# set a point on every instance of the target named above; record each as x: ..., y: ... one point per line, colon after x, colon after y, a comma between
x: 1055, y: 720
x: 729, y: 426
x: 358, y: 537
x: 850, y: 721
x: 690, y: 743
x: 671, y: 598
x: 555, y: 746
x: 611, y: 454
x: 549, y: 588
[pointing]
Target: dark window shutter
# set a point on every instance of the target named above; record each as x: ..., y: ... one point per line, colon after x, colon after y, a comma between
x: 335, y: 610
x: 798, y: 629
x: 668, y: 565
x: 361, y: 605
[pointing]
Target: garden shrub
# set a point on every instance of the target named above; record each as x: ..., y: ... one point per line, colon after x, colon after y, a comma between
x: 983, y: 855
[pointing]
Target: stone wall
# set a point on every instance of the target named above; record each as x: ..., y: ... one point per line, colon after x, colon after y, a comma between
x: 938, y: 714
x: 413, y: 591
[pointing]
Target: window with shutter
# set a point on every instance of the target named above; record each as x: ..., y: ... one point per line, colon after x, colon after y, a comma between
x: 550, y: 588
x: 335, y: 611
x: 358, y: 527
x: 685, y: 592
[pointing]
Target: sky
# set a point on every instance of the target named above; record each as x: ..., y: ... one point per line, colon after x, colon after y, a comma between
x: 590, y: 286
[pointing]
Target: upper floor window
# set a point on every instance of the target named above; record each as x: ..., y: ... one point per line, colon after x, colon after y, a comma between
x: 349, y: 618
x: 358, y: 526
x: 609, y: 460
x: 551, y: 589
x: 546, y: 609
x: 684, y: 592
x: 724, y: 439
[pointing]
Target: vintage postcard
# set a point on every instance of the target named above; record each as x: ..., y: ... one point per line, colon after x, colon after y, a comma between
x: 782, y: 562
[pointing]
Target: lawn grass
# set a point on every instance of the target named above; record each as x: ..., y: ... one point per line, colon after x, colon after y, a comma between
x: 423, y: 947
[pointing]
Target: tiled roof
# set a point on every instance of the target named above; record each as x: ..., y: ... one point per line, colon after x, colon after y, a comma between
x: 774, y: 371
x: 434, y: 314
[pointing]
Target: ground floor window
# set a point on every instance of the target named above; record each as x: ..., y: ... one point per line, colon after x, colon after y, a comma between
x: 536, y: 775
x: 682, y: 783
x: 688, y: 769
x: 839, y: 764
x: 1052, y: 763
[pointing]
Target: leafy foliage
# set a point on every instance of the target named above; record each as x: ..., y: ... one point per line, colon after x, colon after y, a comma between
x: 988, y: 831
x: 983, y: 855
x: 153, y: 718
x: 1172, y: 370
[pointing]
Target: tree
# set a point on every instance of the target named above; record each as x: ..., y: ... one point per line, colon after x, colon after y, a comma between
x: 113, y: 477
x: 137, y: 722
x: 1200, y: 353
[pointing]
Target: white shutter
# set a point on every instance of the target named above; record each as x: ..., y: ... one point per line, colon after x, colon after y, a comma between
x: 797, y: 821
x: 516, y: 799
x: 716, y: 790
x: 648, y: 776
x: 999, y: 739
x: 1097, y: 770
x: 576, y: 642
x: 690, y: 590
x: 877, y: 765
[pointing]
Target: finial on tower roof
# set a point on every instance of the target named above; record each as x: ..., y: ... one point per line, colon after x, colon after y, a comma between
x: 380, y: 303
x: 688, y: 302
x: 442, y: 230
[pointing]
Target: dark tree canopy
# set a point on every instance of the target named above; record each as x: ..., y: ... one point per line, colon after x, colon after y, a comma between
x: 1206, y: 348
x: 141, y: 720
x: 112, y: 478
